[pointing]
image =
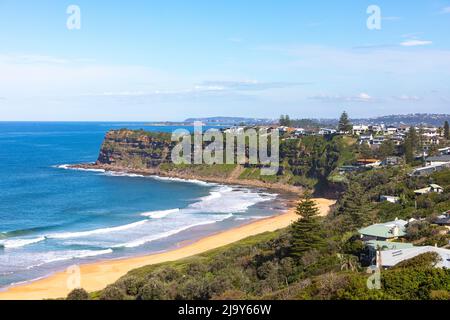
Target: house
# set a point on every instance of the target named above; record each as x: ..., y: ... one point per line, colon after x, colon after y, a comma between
x: 438, y: 160
x: 349, y: 169
x: 326, y: 131
x: 358, y: 130
x: 430, y: 189
x: 390, y: 258
x: 443, y: 220
x: 444, y: 151
x: 368, y: 162
x: 392, y: 161
x: 283, y: 129
x: 235, y: 130
x: 377, y: 128
x: 398, y: 139
x: 373, y: 247
x: 299, y: 132
x: 378, y: 140
x: 390, y: 131
x: 390, y: 199
x: 425, y: 171
x: 384, y: 231
x: 365, y: 139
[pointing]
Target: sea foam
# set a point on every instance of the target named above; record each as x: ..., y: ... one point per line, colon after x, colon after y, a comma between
x: 68, y: 235
x: 18, y: 243
x: 144, y: 240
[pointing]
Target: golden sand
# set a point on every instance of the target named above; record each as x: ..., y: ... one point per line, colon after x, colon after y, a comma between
x: 96, y: 276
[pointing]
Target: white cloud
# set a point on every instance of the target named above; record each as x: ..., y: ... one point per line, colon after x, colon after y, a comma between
x: 407, y: 98
x: 415, y: 43
x: 362, y: 97
x: 445, y: 10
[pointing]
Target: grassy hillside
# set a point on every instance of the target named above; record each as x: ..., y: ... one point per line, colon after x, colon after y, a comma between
x: 268, y: 267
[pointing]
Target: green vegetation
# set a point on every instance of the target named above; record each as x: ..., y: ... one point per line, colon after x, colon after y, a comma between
x: 446, y: 131
x: 316, y: 257
x: 285, y: 121
x: 344, y: 123
x: 307, y: 161
x: 306, y: 234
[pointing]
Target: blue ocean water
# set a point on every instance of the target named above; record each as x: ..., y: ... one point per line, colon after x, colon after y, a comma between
x: 51, y: 217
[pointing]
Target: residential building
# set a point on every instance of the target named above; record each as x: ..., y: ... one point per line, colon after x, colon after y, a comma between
x: 430, y: 189
x: 384, y: 231
x: 426, y: 171
x: 390, y: 199
x: 443, y: 220
x: 392, y: 161
x: 360, y: 129
x: 437, y: 160
x: 390, y: 258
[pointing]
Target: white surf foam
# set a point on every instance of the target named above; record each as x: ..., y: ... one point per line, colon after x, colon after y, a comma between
x: 68, y: 167
x: 224, y: 199
x: 144, y: 240
x: 159, y: 214
x: 55, y: 256
x: 17, y: 243
x: 194, y: 181
x: 68, y: 235
x: 123, y: 174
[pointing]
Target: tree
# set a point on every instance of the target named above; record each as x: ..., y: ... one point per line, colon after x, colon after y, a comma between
x: 285, y: 121
x: 344, y: 123
x: 410, y: 145
x: 354, y: 207
x: 78, y: 294
x: 387, y: 149
x: 306, y: 232
x: 446, y: 131
x: 112, y: 292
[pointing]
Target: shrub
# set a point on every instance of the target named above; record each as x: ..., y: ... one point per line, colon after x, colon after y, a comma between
x: 78, y: 294
x: 131, y: 285
x: 426, y: 260
x: 194, y: 289
x: 112, y: 292
x: 154, y: 289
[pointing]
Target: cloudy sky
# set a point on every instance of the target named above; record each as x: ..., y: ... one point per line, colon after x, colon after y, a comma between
x: 173, y: 59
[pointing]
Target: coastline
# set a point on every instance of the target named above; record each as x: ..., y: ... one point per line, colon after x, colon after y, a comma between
x: 96, y: 276
x: 231, y: 180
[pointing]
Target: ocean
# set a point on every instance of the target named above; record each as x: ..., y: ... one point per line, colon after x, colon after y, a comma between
x: 52, y: 217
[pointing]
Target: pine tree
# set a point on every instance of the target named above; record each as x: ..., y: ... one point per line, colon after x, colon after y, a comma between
x: 285, y: 121
x: 387, y: 149
x: 411, y: 144
x: 344, y: 123
x: 446, y: 131
x: 306, y: 232
x: 354, y: 207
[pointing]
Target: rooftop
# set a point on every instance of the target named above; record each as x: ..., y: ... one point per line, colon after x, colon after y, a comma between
x: 390, y: 258
x: 386, y: 245
x: 443, y: 158
x: 387, y: 230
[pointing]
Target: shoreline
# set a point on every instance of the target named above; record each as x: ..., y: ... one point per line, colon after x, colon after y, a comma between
x: 96, y: 276
x: 231, y: 180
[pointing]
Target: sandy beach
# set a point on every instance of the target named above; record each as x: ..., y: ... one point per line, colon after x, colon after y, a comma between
x: 96, y: 276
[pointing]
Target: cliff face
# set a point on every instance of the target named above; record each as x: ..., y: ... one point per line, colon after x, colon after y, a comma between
x: 150, y: 153
x: 135, y: 149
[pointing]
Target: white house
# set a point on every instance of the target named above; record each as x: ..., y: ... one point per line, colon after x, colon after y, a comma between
x: 360, y: 129
x: 390, y: 258
x: 431, y: 188
x: 390, y: 199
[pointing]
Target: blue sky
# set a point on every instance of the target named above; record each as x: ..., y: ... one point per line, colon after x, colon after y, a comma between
x: 173, y: 59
